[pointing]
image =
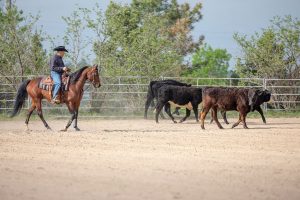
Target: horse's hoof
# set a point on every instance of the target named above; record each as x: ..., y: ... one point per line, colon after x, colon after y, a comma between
x: 77, y: 129
x: 64, y: 130
x: 175, y: 122
x: 27, y: 130
x: 49, y: 129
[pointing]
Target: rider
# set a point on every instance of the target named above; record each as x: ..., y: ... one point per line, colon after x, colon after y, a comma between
x: 57, y: 68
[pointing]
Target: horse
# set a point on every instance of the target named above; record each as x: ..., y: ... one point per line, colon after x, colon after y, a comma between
x: 71, y: 98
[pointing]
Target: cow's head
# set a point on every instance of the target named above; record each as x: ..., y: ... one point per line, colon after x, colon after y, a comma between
x: 256, y: 97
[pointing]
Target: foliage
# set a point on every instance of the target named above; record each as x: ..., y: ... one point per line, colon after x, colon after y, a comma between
x: 20, y: 44
x: 274, y: 53
x: 146, y: 38
x: 209, y: 62
x: 74, y: 37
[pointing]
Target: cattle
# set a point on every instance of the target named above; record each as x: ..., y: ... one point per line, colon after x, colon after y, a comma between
x: 242, y: 100
x: 152, y: 91
x: 188, y: 97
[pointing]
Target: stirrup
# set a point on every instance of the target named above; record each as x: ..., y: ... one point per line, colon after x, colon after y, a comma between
x: 55, y: 101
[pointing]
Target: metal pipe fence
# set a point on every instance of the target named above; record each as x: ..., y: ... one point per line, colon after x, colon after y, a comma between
x: 125, y: 96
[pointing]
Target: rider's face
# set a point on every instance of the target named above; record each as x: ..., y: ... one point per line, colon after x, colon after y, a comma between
x: 61, y: 53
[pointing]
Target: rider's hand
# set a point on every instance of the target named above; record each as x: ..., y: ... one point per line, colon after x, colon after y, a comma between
x: 66, y: 69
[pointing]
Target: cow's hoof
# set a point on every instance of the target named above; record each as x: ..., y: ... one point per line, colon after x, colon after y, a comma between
x: 77, y: 129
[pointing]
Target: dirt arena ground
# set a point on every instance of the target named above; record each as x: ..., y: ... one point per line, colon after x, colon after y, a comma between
x: 138, y: 159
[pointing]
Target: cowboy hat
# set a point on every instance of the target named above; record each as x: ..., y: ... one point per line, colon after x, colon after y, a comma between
x: 60, y: 48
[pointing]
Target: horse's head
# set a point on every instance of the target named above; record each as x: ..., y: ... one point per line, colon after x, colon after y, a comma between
x: 93, y: 76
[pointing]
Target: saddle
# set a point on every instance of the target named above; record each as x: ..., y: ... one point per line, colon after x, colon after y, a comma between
x: 47, y: 83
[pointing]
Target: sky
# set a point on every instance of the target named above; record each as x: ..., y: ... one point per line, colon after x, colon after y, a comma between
x: 221, y: 18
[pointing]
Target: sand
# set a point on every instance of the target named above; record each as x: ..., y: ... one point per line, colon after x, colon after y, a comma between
x: 139, y: 159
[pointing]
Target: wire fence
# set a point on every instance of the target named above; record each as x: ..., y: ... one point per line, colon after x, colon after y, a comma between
x: 125, y: 96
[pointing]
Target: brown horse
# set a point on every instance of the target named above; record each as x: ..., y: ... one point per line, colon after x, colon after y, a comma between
x: 71, y: 98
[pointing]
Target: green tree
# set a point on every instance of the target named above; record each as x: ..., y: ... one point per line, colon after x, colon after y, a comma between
x: 148, y: 38
x: 20, y: 45
x: 209, y: 62
x: 74, y: 36
x: 274, y: 53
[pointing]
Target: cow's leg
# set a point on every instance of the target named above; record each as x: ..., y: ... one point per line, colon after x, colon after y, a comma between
x: 243, y: 118
x: 203, y: 114
x: 238, y: 122
x: 211, y: 117
x: 187, y: 114
x: 162, y: 115
x: 40, y: 113
x: 168, y: 111
x: 223, y: 113
x: 214, y: 111
x: 195, y: 109
x: 31, y: 109
x: 176, y: 111
x: 158, y: 109
x: 261, y: 113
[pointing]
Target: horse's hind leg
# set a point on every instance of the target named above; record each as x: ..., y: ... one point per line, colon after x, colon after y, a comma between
x: 31, y: 109
x: 40, y: 113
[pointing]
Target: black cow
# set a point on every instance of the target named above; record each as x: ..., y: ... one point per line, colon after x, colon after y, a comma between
x: 152, y: 92
x: 243, y: 100
x: 188, y: 97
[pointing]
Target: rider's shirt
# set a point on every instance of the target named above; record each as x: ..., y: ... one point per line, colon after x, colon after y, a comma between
x: 57, y: 64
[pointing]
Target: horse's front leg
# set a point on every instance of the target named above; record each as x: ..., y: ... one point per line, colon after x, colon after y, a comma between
x: 72, y: 111
x: 75, y: 122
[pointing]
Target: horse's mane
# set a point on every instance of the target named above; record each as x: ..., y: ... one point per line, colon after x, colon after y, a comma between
x: 75, y: 75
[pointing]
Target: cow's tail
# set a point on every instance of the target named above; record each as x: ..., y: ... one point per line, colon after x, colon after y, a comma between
x: 20, y: 98
x: 150, y: 91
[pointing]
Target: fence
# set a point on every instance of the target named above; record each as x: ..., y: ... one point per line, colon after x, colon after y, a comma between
x: 125, y: 96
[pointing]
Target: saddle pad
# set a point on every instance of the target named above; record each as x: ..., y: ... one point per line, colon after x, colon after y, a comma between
x: 46, y: 83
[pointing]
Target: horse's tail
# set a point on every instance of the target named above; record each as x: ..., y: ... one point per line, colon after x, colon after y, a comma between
x: 20, y: 98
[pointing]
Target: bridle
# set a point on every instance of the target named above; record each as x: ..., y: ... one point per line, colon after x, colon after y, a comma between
x: 94, y: 74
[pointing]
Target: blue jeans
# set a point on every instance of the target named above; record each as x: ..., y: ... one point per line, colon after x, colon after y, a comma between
x: 57, y: 83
